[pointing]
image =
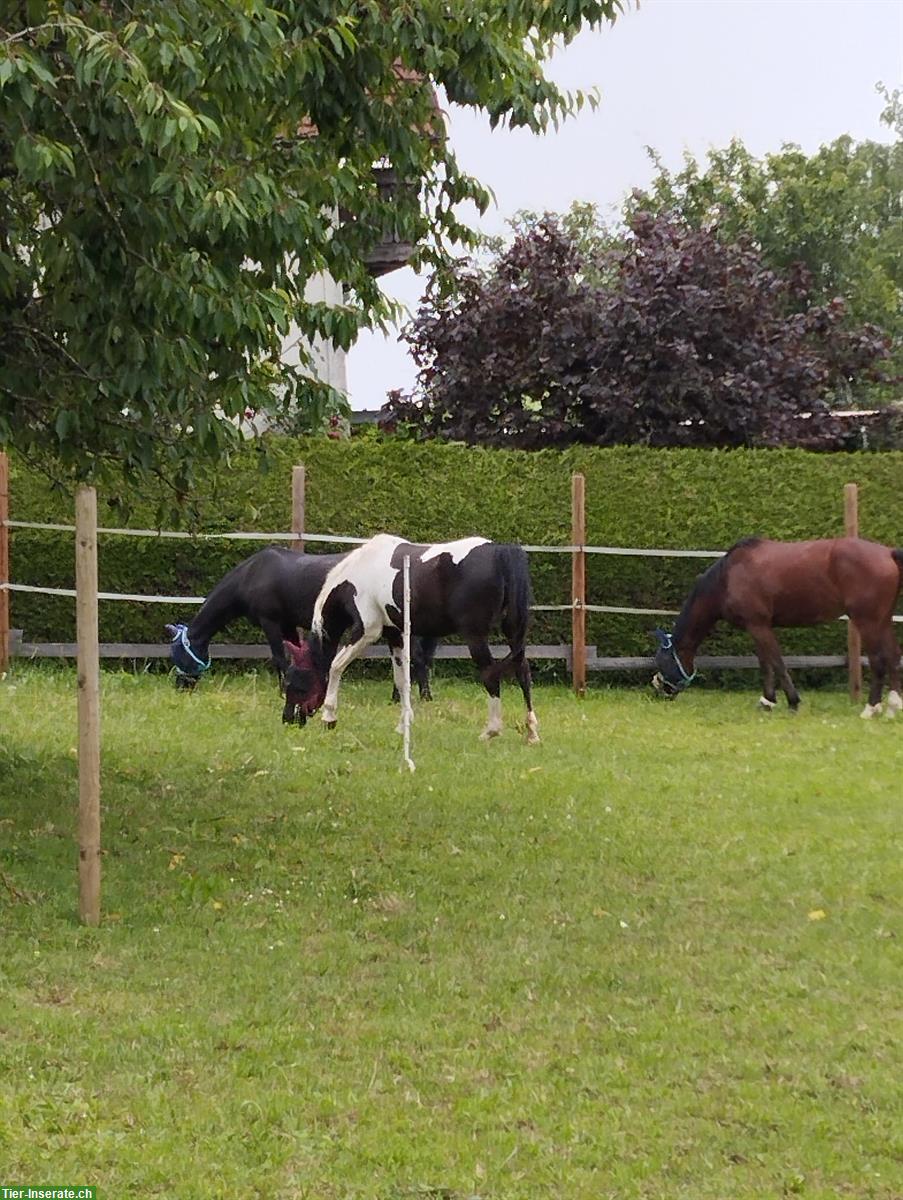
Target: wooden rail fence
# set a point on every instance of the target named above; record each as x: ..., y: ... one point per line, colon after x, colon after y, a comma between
x: 578, y: 656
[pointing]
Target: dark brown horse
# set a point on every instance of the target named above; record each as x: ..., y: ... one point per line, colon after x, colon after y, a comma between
x: 276, y: 589
x: 760, y: 585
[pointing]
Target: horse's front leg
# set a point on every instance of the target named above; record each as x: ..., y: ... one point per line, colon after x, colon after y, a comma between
x: 361, y: 639
x: 276, y: 634
x: 771, y: 662
x: 766, y: 645
x: 423, y: 651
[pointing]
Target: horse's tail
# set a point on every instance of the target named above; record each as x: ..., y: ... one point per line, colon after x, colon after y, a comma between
x: 897, y: 556
x: 516, y: 604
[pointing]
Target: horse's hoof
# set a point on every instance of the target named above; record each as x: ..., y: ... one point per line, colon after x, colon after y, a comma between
x: 766, y: 705
x: 330, y: 724
x: 870, y: 710
x: 488, y: 734
x: 426, y: 696
x: 534, y: 739
x: 894, y: 704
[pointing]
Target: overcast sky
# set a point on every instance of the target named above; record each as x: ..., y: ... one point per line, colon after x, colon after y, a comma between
x: 675, y: 75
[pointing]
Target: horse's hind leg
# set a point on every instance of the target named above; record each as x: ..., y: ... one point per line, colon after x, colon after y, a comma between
x: 895, y: 695
x: 524, y: 678
x: 521, y: 670
x: 883, y: 655
x: 772, y: 663
x: 482, y: 657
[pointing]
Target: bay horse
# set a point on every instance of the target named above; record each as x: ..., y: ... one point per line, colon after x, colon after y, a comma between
x: 760, y: 584
x: 466, y: 587
x: 276, y: 589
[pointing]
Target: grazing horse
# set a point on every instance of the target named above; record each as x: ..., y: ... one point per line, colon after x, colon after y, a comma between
x: 466, y: 587
x: 760, y: 584
x: 276, y: 589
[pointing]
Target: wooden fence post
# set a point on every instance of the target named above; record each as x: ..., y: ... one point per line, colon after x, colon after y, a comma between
x: 854, y: 643
x: 4, y: 562
x: 298, y: 483
x: 578, y: 583
x: 88, y: 705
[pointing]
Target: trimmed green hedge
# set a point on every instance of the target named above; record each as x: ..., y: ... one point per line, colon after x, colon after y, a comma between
x: 688, y: 499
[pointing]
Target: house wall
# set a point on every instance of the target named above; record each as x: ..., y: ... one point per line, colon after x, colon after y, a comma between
x: 328, y: 361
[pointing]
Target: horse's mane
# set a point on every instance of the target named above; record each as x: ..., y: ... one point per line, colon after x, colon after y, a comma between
x: 709, y: 583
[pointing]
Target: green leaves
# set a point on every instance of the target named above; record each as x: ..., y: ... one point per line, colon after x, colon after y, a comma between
x: 39, y: 158
x: 838, y: 211
x: 674, y: 338
x: 175, y: 179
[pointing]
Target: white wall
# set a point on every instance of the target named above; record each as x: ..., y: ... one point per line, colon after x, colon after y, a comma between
x: 328, y: 361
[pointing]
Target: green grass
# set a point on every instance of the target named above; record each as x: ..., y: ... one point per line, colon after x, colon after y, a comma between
x: 656, y: 956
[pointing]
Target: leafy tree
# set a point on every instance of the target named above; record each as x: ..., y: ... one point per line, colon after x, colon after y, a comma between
x: 838, y: 211
x: 689, y: 340
x: 170, y: 173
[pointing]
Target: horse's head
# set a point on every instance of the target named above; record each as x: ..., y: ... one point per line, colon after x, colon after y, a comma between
x: 670, y: 678
x: 304, y: 682
x: 190, y: 665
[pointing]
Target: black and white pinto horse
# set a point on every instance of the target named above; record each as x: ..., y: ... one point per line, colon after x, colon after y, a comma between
x: 275, y: 588
x: 467, y: 588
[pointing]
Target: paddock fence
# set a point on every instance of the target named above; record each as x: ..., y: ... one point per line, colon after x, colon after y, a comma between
x: 578, y: 656
x: 88, y: 650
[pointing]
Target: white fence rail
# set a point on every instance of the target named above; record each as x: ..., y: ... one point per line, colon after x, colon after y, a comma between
x: 342, y: 540
x: 630, y: 551
x: 564, y: 651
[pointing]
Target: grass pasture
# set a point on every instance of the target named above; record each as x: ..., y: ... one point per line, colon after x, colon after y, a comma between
x: 657, y: 956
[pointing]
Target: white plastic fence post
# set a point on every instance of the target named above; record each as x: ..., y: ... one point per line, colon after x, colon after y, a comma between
x: 406, y: 710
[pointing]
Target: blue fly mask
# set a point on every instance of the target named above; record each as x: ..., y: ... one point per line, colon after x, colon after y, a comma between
x: 671, y: 678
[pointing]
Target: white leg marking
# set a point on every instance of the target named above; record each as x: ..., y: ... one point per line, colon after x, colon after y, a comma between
x: 494, y: 724
x: 870, y: 710
x: 532, y: 729
x: 894, y: 703
x: 344, y: 657
x: 767, y: 704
